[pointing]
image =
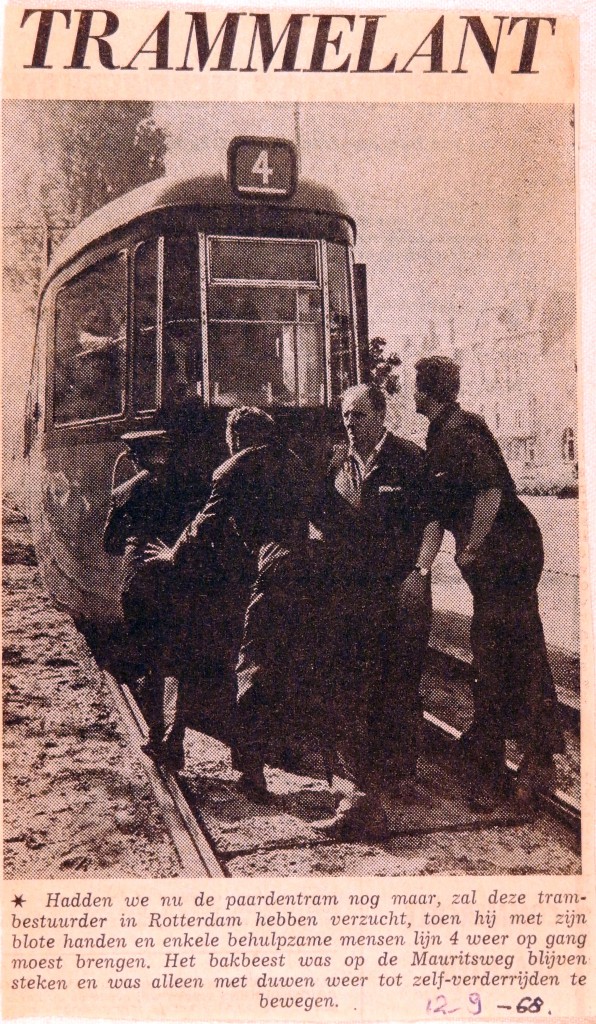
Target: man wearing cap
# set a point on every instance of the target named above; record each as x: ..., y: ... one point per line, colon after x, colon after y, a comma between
x: 142, y: 510
x: 379, y: 609
x: 262, y: 489
x: 470, y: 491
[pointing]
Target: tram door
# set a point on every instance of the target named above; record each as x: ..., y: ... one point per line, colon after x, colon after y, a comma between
x: 167, y: 359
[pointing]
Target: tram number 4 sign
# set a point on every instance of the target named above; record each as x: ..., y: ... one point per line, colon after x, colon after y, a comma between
x: 262, y: 166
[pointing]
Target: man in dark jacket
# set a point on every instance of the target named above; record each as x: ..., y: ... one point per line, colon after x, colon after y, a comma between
x: 379, y: 608
x: 262, y: 489
x: 142, y: 510
x: 469, y: 491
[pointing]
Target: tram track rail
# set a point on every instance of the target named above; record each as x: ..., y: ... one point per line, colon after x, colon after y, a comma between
x: 195, y: 853
x: 194, y: 849
x: 197, y: 849
x: 558, y: 804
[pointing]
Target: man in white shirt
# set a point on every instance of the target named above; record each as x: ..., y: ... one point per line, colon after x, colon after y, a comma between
x: 378, y: 609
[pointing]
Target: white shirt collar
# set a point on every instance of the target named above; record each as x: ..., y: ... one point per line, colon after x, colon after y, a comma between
x: 365, y: 465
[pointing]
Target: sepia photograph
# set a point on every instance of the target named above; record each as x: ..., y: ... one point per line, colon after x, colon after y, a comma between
x: 291, y: 538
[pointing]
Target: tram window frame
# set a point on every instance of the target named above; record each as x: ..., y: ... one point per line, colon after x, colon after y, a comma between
x: 258, y: 282
x: 353, y: 349
x: 171, y: 338
x: 165, y: 356
x: 357, y: 340
x: 292, y: 286
x: 145, y: 243
x: 85, y: 268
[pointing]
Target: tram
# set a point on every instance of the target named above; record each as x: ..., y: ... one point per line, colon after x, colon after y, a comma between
x: 167, y: 307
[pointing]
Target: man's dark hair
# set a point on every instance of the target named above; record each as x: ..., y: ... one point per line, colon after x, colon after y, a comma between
x: 250, y: 425
x: 438, y: 376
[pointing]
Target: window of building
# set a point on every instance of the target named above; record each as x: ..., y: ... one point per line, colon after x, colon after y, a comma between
x: 568, y: 445
x: 90, y: 343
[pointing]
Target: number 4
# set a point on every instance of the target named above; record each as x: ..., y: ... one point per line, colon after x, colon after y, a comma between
x: 261, y: 166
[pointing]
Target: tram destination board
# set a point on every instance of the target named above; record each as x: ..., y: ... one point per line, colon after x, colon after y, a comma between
x: 262, y: 167
x: 298, y: 681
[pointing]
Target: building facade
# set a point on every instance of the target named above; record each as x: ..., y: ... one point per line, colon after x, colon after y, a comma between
x: 518, y: 371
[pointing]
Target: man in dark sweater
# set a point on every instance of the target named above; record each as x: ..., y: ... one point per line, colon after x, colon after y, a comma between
x: 379, y: 608
x: 469, y: 491
x: 143, y: 509
x: 262, y: 489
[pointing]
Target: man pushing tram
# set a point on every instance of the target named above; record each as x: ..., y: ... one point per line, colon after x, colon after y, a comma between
x: 374, y: 621
x: 263, y: 489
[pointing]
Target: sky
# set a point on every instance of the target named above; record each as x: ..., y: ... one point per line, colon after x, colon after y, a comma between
x: 458, y: 206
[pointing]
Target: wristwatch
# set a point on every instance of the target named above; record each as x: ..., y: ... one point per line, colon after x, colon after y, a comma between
x: 422, y: 570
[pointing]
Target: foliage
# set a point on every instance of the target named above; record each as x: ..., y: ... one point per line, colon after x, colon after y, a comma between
x: 100, y: 151
x: 381, y: 368
x: 63, y: 161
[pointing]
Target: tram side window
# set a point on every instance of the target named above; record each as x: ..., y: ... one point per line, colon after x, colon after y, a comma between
x: 181, y: 319
x: 90, y: 348
x: 343, y: 363
x: 145, y: 351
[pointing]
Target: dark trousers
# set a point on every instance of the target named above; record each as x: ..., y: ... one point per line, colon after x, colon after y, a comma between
x: 377, y: 650
x: 265, y: 671
x: 513, y: 689
x: 147, y: 612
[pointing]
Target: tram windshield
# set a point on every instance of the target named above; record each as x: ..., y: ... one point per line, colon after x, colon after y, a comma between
x: 266, y: 323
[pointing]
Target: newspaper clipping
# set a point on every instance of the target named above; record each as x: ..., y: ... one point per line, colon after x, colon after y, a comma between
x: 295, y: 589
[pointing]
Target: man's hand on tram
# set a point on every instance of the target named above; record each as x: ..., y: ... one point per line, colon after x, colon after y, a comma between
x: 159, y: 552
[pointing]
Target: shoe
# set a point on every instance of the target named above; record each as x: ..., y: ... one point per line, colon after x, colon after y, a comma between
x: 539, y: 770
x: 410, y: 793
x: 488, y: 782
x: 364, y: 821
x: 485, y: 795
x: 485, y: 800
x: 167, y: 755
x: 526, y: 797
x: 536, y: 774
x: 253, y: 785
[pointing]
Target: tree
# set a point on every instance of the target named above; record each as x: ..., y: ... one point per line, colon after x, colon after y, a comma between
x: 62, y: 160
x: 99, y: 151
x: 381, y: 368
